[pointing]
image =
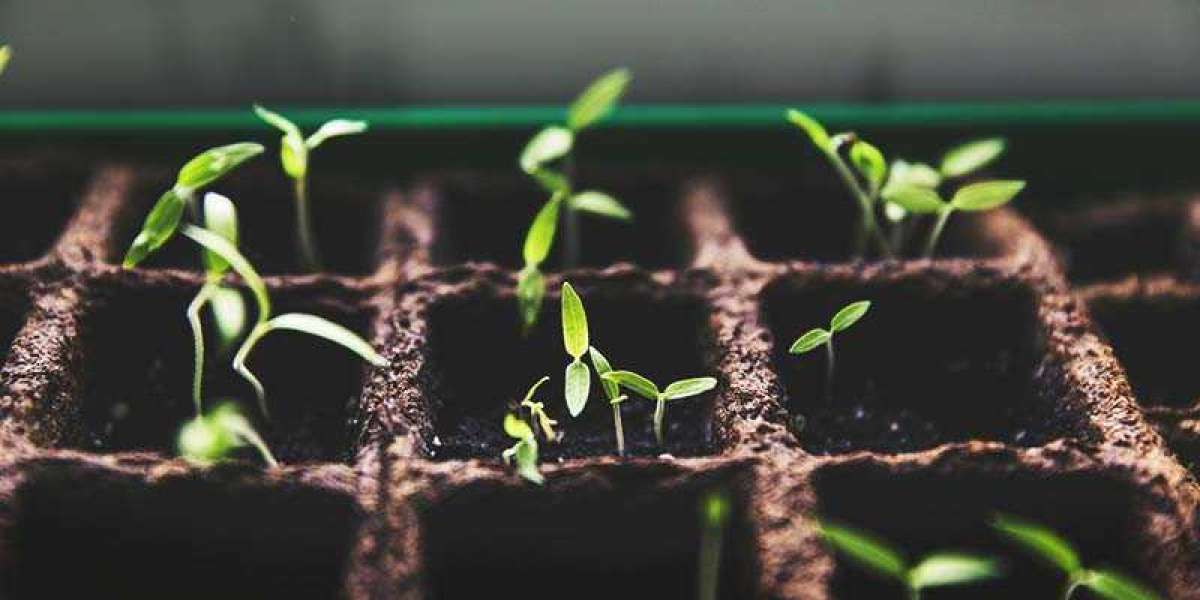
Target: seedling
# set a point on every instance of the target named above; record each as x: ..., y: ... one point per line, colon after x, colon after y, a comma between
x: 575, y: 339
x: 213, y: 437
x: 294, y: 152
x: 841, y: 321
x: 5, y: 55
x: 714, y: 514
x: 684, y: 388
x: 939, y: 569
x: 613, y: 392
x: 537, y: 412
x: 547, y: 158
x: 974, y: 197
x: 525, y: 451
x: 1057, y: 552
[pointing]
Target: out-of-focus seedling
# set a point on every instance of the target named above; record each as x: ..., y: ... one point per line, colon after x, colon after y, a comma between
x: 294, y: 152
x: 841, y: 321
x: 5, y: 55
x: 1056, y: 551
x: 684, y: 388
x: 538, y: 418
x: 613, y: 392
x: 575, y: 339
x: 974, y: 197
x: 935, y: 570
x: 213, y: 437
x: 525, y: 451
x: 714, y: 515
x: 547, y: 158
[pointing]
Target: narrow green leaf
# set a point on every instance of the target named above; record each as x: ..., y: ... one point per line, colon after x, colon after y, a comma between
x: 919, y: 174
x: 1115, y: 586
x: 531, y: 290
x: 636, y: 383
x: 611, y: 390
x: 547, y: 145
x: 335, y: 128
x: 220, y: 217
x: 810, y: 340
x: 869, y: 162
x: 599, y: 203
x: 214, y: 163
x: 952, y: 569
x: 516, y: 427
x: 685, y: 388
x: 540, y: 236
x: 5, y: 55
x: 971, y: 156
x: 574, y: 323
x: 866, y: 550
x: 816, y: 133
x: 229, y: 315
x: 914, y: 199
x: 849, y: 315
x: 986, y: 195
x: 576, y: 387
x: 227, y: 251
x: 278, y: 121
x: 324, y: 328
x: 598, y: 99
x: 1040, y: 540
x: 158, y: 228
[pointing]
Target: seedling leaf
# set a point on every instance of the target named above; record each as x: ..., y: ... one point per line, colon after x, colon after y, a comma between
x: 229, y: 314
x: 919, y: 174
x: 293, y: 155
x: 531, y: 290
x: 214, y: 163
x: 527, y: 456
x: 816, y: 133
x: 334, y: 128
x: 158, y: 228
x: 599, y: 203
x: 574, y: 323
x: 540, y: 236
x: 869, y: 162
x: 602, y: 366
x: 222, y: 247
x: 210, y: 438
x: 914, y: 198
x: 279, y: 122
x: 324, y: 328
x: 516, y: 427
x: 547, y: 145
x: 1041, y: 541
x: 1115, y: 586
x: 971, y: 156
x: 849, y: 315
x: 552, y: 181
x: 534, y: 388
x: 576, y: 387
x: 810, y: 340
x: 595, y: 102
x: 986, y: 195
x: 865, y: 550
x: 638, y: 384
x: 5, y: 55
x: 951, y: 569
x: 220, y: 217
x: 685, y: 388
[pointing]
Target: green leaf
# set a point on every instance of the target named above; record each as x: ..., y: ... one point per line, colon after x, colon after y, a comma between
x: 552, y: 181
x: 952, y: 569
x: 540, y: 236
x: 293, y: 155
x: 335, y: 128
x: 869, y: 162
x: 595, y: 102
x: 229, y: 314
x: 533, y: 388
x: 547, y: 145
x: 919, y: 174
x: 220, y: 217
x: 971, y: 156
x: 849, y: 315
x: 602, y: 366
x: 1040, y: 540
x: 516, y: 427
x: 866, y: 550
x: 527, y: 459
x: 324, y: 328
x: 986, y: 195
x: 636, y: 383
x: 809, y: 341
x: 214, y: 163
x: 914, y: 199
x: 816, y: 133
x: 222, y: 247
x: 576, y: 387
x: 278, y: 121
x: 574, y: 322
x: 599, y: 203
x: 203, y: 442
x: 685, y: 388
x: 531, y: 290
x: 894, y: 212
x: 5, y: 55
x: 158, y: 228
x: 1115, y: 586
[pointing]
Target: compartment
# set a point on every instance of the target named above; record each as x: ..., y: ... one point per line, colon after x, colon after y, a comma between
x: 43, y: 193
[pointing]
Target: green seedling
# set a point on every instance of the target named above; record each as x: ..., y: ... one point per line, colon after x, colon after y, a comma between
x: 613, y: 392
x: 213, y: 437
x: 5, y: 55
x: 547, y: 158
x: 1055, y: 551
x: 714, y: 515
x: 940, y: 569
x: 684, y: 388
x: 974, y: 197
x: 294, y: 151
x: 537, y: 413
x: 575, y: 339
x: 163, y: 221
x: 841, y: 321
x: 525, y: 451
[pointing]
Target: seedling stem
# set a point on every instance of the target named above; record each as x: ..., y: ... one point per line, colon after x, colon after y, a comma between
x: 841, y: 321
x: 714, y: 514
x: 684, y: 388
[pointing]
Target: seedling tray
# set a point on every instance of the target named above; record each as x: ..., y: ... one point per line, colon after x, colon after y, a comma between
x: 1026, y: 371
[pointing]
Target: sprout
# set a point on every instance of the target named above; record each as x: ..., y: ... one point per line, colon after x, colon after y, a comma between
x: 935, y: 570
x: 974, y: 197
x: 551, y: 145
x: 293, y: 154
x: 714, y: 514
x: 841, y: 321
x: 213, y: 437
x: 5, y: 55
x: 525, y: 451
x: 684, y: 388
x: 537, y: 412
x: 1056, y: 551
x: 613, y: 392
x: 575, y: 340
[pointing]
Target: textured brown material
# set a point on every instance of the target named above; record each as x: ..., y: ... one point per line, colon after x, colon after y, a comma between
x: 978, y: 383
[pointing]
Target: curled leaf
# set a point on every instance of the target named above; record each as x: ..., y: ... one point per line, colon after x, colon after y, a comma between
x: 324, y: 328
x: 220, y: 217
x: 334, y: 128
x: 516, y: 427
x: 869, y: 162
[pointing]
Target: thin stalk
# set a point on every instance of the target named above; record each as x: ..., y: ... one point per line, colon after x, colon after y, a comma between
x: 571, y: 233
x: 829, y: 371
x: 261, y: 329
x: 1072, y: 584
x: 305, y: 240
x: 866, y: 204
x: 710, y: 562
x: 193, y: 317
x: 616, y: 408
x: 914, y: 594
x: 660, y: 413
x: 255, y: 440
x: 943, y: 216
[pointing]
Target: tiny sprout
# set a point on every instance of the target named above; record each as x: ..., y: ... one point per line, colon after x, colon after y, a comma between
x: 935, y: 570
x: 1056, y: 551
x: 525, y: 451
x: 841, y: 321
x: 537, y: 412
x: 575, y: 340
x: 5, y: 55
x: 293, y: 154
x: 613, y: 392
x: 974, y: 197
x: 714, y: 515
x: 213, y: 437
x: 684, y: 388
